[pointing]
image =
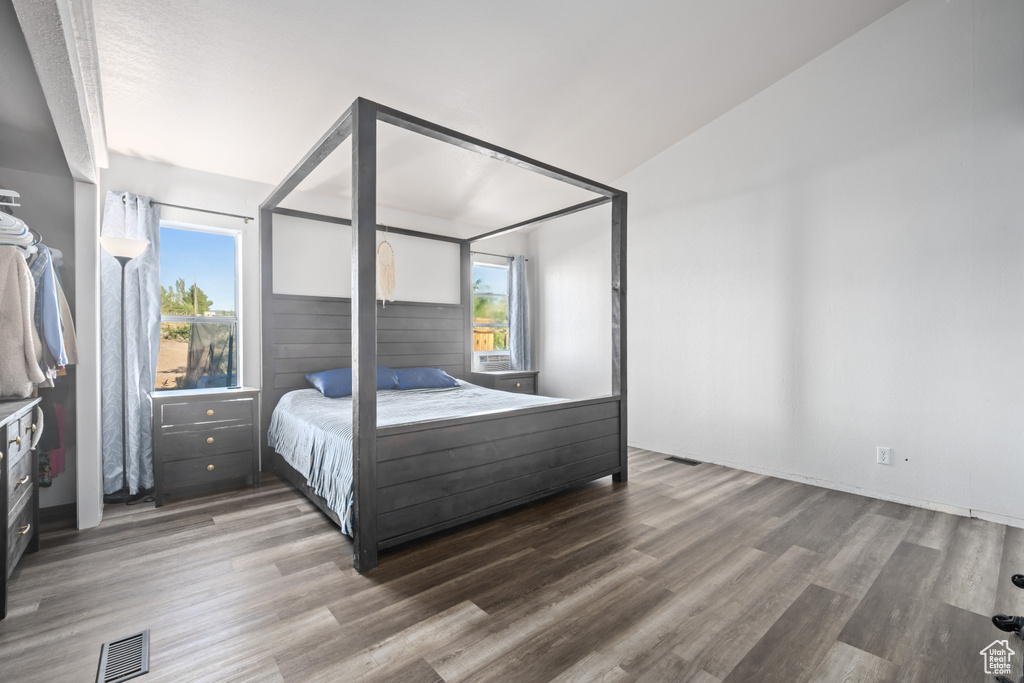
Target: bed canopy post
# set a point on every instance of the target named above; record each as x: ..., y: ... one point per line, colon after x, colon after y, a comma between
x: 619, y: 324
x: 364, y: 333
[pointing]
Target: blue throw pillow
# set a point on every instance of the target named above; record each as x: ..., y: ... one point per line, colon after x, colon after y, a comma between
x: 424, y: 378
x: 338, y: 383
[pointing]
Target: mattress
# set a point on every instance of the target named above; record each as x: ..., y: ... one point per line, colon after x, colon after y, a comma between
x: 313, y: 433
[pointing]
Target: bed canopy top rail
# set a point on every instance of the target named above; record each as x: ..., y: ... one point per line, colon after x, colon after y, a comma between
x: 323, y: 218
x: 359, y: 121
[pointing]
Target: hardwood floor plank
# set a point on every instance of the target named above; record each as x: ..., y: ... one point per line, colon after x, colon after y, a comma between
x: 730, y: 629
x: 949, y: 648
x: 1009, y: 599
x: 863, y: 554
x: 967, y: 579
x: 808, y: 627
x: 895, y: 602
x: 517, y: 624
x: 820, y: 525
x: 846, y: 664
x: 932, y: 529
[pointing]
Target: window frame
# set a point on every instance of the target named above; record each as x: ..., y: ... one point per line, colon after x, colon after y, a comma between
x: 237, y: 317
x: 508, y: 286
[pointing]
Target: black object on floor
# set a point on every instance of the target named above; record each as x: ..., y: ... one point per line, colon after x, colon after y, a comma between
x: 1018, y: 580
x: 123, y: 659
x: 683, y: 461
x: 1007, y: 623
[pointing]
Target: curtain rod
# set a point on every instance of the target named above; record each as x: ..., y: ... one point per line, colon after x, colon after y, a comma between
x: 486, y: 253
x: 124, y: 200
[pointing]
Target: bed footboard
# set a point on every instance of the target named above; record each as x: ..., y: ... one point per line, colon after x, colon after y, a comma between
x: 435, y: 475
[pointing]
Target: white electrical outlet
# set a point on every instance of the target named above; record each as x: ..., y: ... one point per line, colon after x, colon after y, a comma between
x: 884, y: 455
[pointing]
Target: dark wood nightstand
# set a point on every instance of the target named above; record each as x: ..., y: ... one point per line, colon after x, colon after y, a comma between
x: 516, y: 381
x: 19, y: 489
x: 205, y: 440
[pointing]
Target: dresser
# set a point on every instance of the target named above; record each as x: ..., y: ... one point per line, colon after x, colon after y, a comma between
x: 204, y: 440
x: 516, y: 381
x: 19, y: 493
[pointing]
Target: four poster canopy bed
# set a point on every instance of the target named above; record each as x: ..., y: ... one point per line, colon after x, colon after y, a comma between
x: 389, y: 464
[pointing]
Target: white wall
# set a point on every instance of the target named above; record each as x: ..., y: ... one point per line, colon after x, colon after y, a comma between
x: 569, y: 275
x: 315, y: 259
x: 838, y: 264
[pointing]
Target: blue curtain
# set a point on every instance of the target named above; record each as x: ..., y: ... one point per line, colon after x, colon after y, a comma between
x: 134, y: 217
x: 518, y: 315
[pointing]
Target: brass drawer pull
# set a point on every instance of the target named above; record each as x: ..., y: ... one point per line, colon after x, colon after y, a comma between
x: 16, y: 440
x: 24, y: 530
x: 210, y: 411
x: 1, y: 456
x: 209, y: 439
x: 23, y: 480
x: 517, y: 385
x: 209, y: 468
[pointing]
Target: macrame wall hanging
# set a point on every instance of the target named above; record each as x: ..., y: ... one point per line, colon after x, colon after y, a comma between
x: 385, y: 271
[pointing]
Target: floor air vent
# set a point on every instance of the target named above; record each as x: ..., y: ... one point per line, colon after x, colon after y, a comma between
x: 124, y: 659
x: 683, y: 461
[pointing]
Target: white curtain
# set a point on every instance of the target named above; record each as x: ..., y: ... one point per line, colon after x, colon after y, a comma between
x: 518, y: 315
x: 131, y: 216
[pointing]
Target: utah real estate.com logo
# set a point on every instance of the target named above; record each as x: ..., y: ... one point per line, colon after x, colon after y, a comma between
x: 997, y: 658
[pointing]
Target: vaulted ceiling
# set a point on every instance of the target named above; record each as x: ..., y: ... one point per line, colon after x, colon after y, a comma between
x: 245, y: 87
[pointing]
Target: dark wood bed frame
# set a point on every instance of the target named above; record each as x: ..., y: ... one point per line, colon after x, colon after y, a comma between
x: 415, y: 479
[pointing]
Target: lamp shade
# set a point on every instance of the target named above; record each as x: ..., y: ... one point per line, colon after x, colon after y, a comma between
x: 120, y: 246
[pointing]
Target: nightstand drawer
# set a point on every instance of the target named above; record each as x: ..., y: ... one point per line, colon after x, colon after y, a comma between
x: 19, y: 533
x: 201, y: 443
x: 518, y: 385
x: 19, y: 484
x: 198, y: 412
x: 209, y: 470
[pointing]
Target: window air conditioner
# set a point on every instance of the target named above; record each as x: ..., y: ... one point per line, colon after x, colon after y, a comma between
x: 489, y: 361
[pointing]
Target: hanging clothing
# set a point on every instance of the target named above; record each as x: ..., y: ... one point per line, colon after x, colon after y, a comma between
x: 20, y: 347
x: 518, y: 315
x: 47, y: 311
x: 134, y: 217
x: 68, y: 326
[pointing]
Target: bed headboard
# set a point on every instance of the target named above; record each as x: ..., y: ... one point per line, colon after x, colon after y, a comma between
x: 310, y: 334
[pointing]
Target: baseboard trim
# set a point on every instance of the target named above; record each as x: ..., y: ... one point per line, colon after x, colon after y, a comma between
x: 848, y: 488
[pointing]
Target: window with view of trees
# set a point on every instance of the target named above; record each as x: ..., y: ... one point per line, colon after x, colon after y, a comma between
x: 490, y: 307
x: 199, y: 319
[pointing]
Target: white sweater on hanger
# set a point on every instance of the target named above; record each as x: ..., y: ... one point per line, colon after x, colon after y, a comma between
x: 20, y: 347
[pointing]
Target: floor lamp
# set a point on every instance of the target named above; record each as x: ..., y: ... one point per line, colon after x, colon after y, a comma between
x: 124, y: 250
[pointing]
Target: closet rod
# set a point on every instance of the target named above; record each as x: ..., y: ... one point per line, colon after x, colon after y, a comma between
x: 124, y: 200
x: 487, y: 253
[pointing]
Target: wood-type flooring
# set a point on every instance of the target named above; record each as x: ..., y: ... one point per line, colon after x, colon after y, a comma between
x: 702, y: 574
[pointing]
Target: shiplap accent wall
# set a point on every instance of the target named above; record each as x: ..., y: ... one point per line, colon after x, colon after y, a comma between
x: 315, y: 333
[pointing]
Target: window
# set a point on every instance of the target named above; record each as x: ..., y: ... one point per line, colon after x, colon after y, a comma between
x: 490, y: 308
x: 199, y: 311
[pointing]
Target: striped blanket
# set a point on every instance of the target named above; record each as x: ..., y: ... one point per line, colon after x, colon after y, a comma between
x: 314, y: 433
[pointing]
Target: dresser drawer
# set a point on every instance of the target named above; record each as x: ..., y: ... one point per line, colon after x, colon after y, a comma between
x: 518, y: 385
x: 19, y: 484
x: 18, y: 444
x: 28, y: 426
x: 201, y: 471
x: 198, y: 412
x: 203, y: 442
x: 19, y: 534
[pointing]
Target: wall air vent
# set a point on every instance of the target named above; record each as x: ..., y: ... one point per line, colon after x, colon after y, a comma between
x: 683, y: 461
